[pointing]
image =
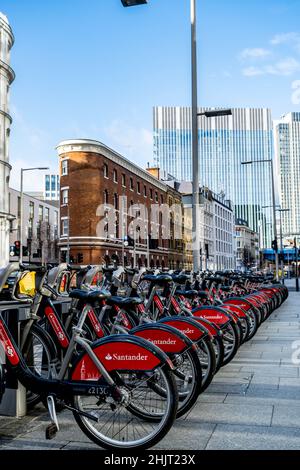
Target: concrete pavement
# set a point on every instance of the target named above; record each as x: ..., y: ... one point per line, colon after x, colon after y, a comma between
x: 253, y: 403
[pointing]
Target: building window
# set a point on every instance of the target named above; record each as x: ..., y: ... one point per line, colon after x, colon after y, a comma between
x: 53, y: 183
x: 115, y: 176
x: 145, y: 191
x: 138, y: 187
x: 65, y: 196
x: 105, y: 197
x: 151, y: 193
x: 41, y: 213
x: 156, y: 196
x: 65, y: 227
x: 124, y: 180
x: 105, y: 170
x: 47, y: 182
x: 47, y: 214
x: 31, y: 210
x: 116, y: 201
x: 64, y: 167
x: 131, y: 184
x: 161, y: 199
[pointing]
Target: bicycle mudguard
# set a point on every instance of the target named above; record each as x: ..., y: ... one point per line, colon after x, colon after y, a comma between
x: 240, y: 302
x: 214, y: 330
x: 168, y: 339
x: 235, y: 309
x: 213, y: 314
x: 119, y: 352
x: 187, y: 326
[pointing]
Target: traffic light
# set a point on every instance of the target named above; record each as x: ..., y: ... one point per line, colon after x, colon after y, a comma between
x: 79, y: 258
x: 275, y: 246
x: 17, y: 248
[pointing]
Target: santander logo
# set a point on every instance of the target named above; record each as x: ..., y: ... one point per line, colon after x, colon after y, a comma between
x: 162, y: 341
x: 214, y: 317
x: 126, y: 357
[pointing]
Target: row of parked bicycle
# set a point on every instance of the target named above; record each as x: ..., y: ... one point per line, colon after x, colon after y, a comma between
x: 133, y: 350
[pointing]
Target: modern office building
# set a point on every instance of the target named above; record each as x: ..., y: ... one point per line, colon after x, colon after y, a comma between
x: 51, y: 191
x: 6, y: 78
x: 287, y: 151
x: 224, y: 143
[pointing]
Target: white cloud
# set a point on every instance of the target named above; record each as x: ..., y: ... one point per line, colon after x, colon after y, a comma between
x: 291, y: 38
x: 254, y: 53
x: 284, y: 67
x: 287, y: 66
x: 253, y: 71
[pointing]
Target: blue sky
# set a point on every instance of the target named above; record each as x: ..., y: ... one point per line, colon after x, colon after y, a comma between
x: 93, y: 69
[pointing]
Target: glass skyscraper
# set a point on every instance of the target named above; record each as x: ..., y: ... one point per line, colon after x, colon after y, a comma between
x: 224, y: 143
x: 287, y: 148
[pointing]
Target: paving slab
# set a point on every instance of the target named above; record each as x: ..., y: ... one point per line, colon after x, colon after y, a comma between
x: 286, y: 416
x: 231, y: 413
x: 233, y: 437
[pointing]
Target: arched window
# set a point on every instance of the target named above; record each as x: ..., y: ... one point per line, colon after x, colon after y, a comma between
x: 105, y: 198
x: 116, y: 201
x: 115, y: 176
x: 105, y: 170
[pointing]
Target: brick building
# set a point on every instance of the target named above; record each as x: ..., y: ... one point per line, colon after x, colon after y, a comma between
x: 94, y: 178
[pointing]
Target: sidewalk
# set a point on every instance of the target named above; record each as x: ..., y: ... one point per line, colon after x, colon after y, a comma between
x: 253, y: 403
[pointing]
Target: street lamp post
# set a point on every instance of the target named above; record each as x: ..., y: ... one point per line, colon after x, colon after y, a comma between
x: 273, y: 207
x: 21, y: 207
x: 195, y: 139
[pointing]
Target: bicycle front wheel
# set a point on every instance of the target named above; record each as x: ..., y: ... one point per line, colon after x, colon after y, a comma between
x: 140, y: 420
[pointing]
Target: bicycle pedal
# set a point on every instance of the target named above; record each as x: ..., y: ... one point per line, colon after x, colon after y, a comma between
x: 51, y: 431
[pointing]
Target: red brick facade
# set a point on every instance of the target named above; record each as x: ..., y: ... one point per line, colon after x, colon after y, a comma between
x: 91, y: 175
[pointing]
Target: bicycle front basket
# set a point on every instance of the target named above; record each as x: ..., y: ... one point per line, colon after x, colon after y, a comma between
x: 26, y: 285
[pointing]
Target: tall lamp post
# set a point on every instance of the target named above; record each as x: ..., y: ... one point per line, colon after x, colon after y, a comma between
x: 21, y: 206
x: 251, y: 162
x: 195, y: 138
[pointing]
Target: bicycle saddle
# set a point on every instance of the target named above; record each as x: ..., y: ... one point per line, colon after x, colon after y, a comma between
x: 124, y: 301
x: 161, y: 279
x: 180, y: 278
x: 89, y: 295
x: 189, y: 294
